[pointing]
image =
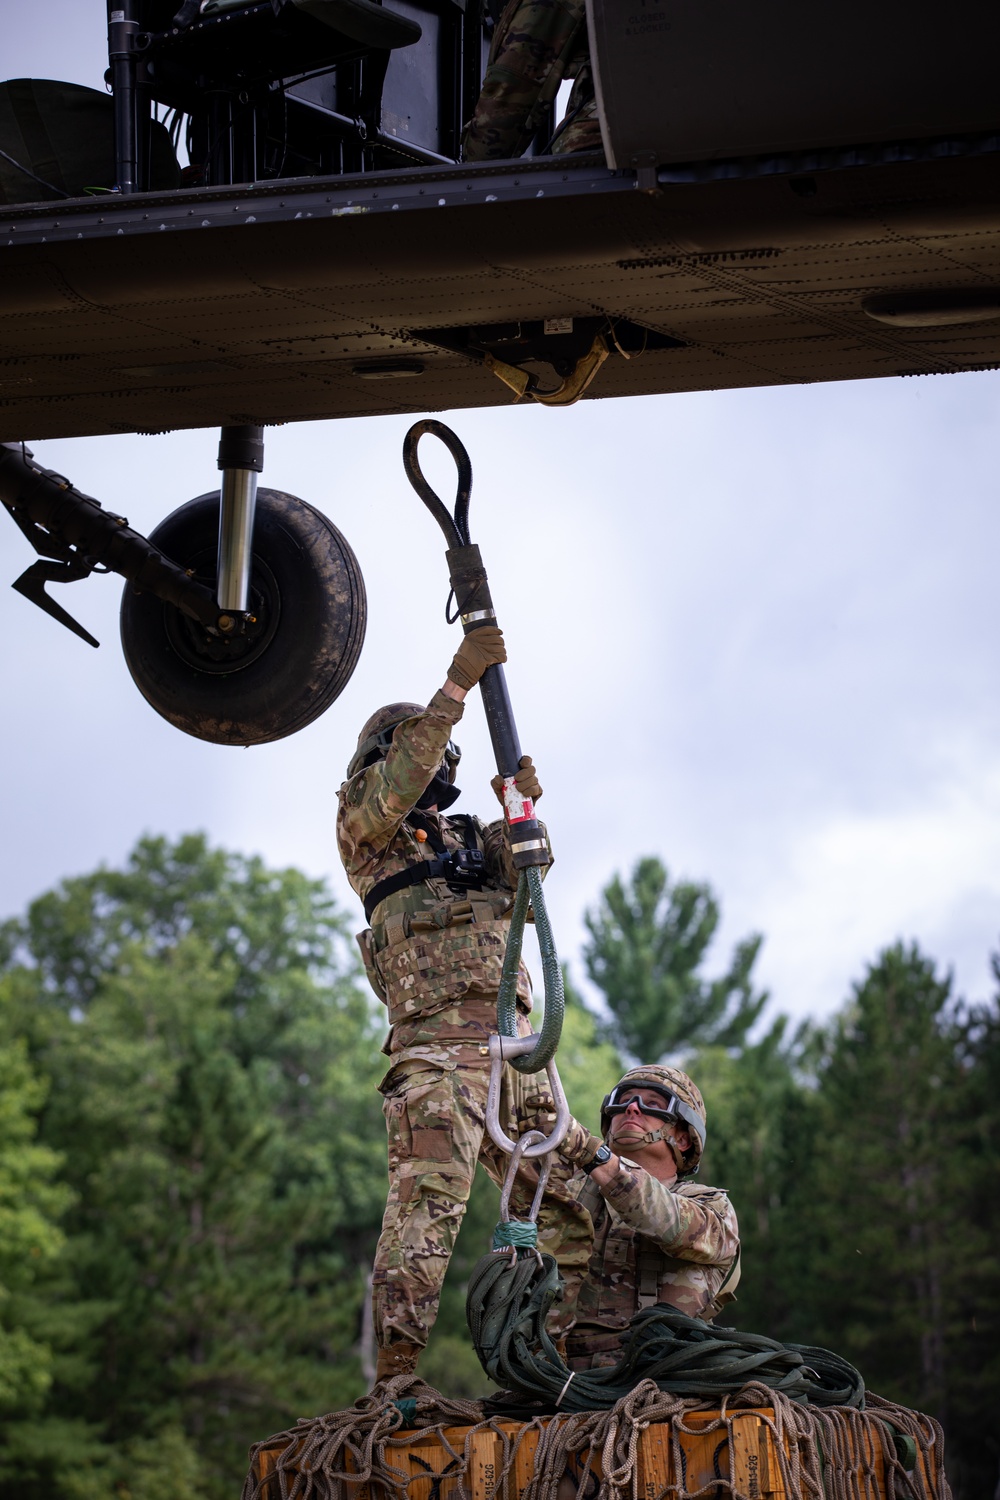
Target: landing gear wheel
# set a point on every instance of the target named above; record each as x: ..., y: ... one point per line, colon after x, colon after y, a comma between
x: 308, y: 599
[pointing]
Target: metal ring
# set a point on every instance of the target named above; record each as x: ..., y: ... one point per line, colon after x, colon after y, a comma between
x: 496, y: 1131
x: 529, y: 1138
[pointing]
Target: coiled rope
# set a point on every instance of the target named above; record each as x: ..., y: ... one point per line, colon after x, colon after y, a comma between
x: 510, y: 1296
x: 819, y: 1453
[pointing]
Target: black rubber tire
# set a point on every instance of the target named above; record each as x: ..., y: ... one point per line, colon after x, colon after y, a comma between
x: 308, y: 595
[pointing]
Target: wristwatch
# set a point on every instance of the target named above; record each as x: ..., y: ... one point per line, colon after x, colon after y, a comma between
x: 600, y: 1156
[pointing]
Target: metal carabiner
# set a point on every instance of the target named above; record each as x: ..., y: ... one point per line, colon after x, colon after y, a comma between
x: 530, y: 1138
x: 500, y: 1049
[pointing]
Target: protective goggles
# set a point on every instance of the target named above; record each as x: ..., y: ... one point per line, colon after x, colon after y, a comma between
x: 621, y: 1097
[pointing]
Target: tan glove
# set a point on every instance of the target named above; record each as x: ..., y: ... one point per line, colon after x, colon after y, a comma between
x: 525, y: 779
x: 580, y: 1145
x: 480, y: 649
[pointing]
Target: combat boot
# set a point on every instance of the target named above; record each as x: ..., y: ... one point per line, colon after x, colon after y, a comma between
x: 399, y: 1359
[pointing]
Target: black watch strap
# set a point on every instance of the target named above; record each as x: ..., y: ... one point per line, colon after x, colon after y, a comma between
x: 600, y: 1156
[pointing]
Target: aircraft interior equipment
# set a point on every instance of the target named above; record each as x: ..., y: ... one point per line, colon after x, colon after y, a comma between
x: 267, y: 221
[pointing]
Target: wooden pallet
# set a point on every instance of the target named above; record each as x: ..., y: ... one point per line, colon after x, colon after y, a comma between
x: 702, y: 1453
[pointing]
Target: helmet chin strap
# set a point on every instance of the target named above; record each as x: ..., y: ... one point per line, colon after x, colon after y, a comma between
x: 650, y: 1138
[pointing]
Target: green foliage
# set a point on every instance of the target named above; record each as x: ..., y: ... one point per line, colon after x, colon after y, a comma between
x: 761, y: 1126
x: 212, y: 1066
x: 883, y: 1223
x: 274, y: 924
x: 863, y: 1161
x: 31, y: 1204
x: 648, y: 940
x: 192, y: 1166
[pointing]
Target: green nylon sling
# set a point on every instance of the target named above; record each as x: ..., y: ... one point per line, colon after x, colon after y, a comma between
x: 510, y: 1294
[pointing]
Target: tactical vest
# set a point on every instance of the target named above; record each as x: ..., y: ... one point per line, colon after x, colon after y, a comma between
x: 629, y: 1272
x: 433, y: 940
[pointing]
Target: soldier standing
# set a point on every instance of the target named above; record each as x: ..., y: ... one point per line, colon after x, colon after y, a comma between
x: 438, y: 892
x: 536, y: 45
x: 658, y: 1237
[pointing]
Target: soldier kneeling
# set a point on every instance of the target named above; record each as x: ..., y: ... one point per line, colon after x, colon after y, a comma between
x: 658, y: 1236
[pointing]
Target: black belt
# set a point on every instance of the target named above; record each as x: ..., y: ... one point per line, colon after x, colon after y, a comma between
x: 428, y: 869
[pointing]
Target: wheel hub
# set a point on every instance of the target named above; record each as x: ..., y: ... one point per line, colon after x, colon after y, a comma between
x: 200, y: 648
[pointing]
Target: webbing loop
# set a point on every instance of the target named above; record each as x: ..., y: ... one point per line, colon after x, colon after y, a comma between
x: 529, y: 893
x: 503, y: 1049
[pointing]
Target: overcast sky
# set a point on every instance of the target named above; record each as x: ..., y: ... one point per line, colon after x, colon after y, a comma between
x: 764, y: 649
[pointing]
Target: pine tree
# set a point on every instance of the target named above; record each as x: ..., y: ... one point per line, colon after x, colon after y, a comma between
x: 974, y: 1282
x: 882, y: 1224
x: 648, y: 940
x: 761, y: 1126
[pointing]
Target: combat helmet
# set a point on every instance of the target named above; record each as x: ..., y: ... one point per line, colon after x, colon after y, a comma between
x: 376, y: 737
x: 682, y: 1102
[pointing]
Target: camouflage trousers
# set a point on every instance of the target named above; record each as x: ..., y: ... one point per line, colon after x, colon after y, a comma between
x: 537, y: 44
x: 580, y: 129
x: 436, y: 1122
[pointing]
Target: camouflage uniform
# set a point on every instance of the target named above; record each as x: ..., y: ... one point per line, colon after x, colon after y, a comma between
x: 434, y: 958
x: 652, y: 1243
x: 537, y: 43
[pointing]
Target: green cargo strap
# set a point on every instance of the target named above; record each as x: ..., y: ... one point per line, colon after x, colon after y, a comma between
x: 529, y: 892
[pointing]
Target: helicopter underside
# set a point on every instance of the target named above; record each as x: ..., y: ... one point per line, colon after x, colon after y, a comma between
x: 396, y: 292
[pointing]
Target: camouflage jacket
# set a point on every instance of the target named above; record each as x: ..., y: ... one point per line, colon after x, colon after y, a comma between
x: 652, y: 1243
x: 429, y: 945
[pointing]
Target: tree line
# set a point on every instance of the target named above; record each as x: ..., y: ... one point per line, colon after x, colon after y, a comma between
x: 192, y: 1164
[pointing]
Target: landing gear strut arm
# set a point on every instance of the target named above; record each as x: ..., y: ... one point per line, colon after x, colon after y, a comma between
x: 80, y: 538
